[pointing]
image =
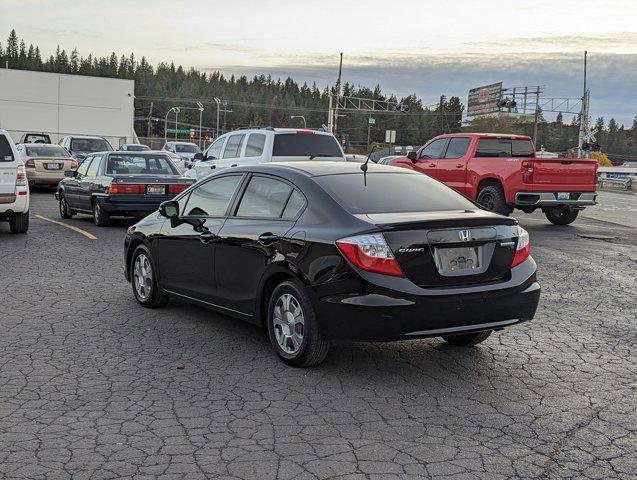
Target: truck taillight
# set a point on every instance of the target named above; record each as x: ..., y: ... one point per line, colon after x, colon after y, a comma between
x: 21, y: 177
x: 175, y: 189
x: 523, y: 248
x: 527, y: 172
x: 126, y: 189
x: 30, y: 163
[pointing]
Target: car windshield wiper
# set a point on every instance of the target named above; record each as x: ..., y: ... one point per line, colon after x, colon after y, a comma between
x: 312, y: 157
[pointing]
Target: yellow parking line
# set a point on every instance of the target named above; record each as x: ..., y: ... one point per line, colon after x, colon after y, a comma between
x: 75, y: 229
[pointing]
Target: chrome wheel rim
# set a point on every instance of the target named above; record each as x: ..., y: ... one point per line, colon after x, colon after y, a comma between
x: 289, y: 323
x: 142, y: 276
x: 96, y: 211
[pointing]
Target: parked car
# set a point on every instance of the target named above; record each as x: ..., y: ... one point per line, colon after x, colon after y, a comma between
x: 386, y: 160
x: 629, y: 164
x: 134, y: 147
x: 185, y: 151
x: 14, y: 188
x: 502, y: 172
x: 317, y: 251
x: 262, y: 145
x: 119, y: 184
x: 81, y: 146
x: 45, y: 164
x: 35, y: 138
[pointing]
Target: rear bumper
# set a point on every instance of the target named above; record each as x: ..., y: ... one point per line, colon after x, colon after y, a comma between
x: 48, y: 178
x: 132, y: 203
x: 378, y: 314
x: 549, y: 199
x: 17, y: 202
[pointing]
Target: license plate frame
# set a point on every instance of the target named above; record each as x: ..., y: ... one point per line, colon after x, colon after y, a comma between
x: 563, y: 196
x: 458, y: 261
x: 155, y: 189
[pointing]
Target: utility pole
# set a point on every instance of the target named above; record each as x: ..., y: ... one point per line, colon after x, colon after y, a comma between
x: 200, y: 107
x: 218, y: 104
x: 441, y: 114
x: 537, y: 115
x: 338, y: 94
x: 584, y: 114
x: 149, y: 126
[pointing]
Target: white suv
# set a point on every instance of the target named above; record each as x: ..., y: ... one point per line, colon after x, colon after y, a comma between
x: 14, y: 187
x: 259, y: 145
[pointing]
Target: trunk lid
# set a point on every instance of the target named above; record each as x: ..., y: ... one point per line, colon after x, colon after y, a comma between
x: 564, y: 172
x: 442, y: 249
x: 52, y: 164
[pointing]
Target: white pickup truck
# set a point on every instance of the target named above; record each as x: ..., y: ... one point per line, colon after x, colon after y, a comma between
x: 260, y: 145
x: 14, y: 187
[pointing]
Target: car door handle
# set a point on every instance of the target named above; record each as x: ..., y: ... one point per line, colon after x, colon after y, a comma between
x: 208, y: 237
x: 268, y: 238
x: 459, y: 165
x: 432, y: 164
x: 233, y: 165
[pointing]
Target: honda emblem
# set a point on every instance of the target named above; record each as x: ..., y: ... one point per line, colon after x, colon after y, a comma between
x: 465, y: 235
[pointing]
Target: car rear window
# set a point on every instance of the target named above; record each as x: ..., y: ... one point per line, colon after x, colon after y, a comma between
x: 140, y: 165
x: 90, y: 145
x: 6, y: 154
x: 504, y: 147
x: 46, y: 151
x: 391, y: 193
x: 305, y: 145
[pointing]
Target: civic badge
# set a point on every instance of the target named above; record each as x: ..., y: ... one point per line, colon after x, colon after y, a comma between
x: 465, y: 235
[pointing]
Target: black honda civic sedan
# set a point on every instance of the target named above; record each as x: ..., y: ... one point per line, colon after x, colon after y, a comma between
x: 321, y: 251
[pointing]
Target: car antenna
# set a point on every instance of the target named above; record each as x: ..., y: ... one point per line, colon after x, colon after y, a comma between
x: 364, y: 164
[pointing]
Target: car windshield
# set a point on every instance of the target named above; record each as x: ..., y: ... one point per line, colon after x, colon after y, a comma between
x: 140, y: 165
x: 136, y: 148
x: 90, y: 145
x: 305, y: 145
x: 391, y: 193
x: 46, y: 151
x: 186, y: 148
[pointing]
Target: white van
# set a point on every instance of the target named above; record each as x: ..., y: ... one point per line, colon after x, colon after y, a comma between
x: 14, y: 187
x: 259, y: 145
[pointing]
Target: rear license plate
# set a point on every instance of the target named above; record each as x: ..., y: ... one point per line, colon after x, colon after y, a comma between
x: 563, y: 196
x: 155, y: 189
x: 458, y: 261
x: 52, y: 166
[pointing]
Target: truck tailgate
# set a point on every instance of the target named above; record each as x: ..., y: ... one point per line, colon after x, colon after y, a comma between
x: 564, y: 172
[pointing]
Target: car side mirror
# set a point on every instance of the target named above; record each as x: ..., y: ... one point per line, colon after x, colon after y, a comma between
x: 169, y: 209
x: 412, y: 156
x: 70, y: 173
x: 198, y: 156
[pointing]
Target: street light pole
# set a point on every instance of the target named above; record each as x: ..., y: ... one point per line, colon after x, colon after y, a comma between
x: 301, y: 117
x: 200, y: 105
x: 172, y: 109
x: 218, y: 106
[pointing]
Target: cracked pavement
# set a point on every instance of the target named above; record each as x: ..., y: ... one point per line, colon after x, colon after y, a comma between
x: 92, y: 386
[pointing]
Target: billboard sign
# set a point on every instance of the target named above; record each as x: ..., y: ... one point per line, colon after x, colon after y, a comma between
x: 484, y: 99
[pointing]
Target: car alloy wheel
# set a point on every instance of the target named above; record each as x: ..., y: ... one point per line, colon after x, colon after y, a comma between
x: 143, y: 277
x: 289, y: 324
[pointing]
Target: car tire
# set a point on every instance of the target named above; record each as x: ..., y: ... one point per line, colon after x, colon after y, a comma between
x: 144, y: 281
x: 467, y: 339
x: 560, y: 215
x: 19, y: 222
x: 293, y: 327
x: 65, y: 210
x: 100, y: 217
x: 492, y: 198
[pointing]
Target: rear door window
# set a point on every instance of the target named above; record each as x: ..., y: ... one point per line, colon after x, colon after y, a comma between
x: 6, y: 152
x: 94, y: 167
x: 305, y: 145
x: 457, y: 147
x: 233, y: 147
x: 211, y: 198
x: 265, y: 197
x: 295, y: 204
x: 254, y: 147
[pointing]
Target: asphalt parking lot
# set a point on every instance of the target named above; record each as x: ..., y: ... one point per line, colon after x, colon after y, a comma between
x: 94, y: 386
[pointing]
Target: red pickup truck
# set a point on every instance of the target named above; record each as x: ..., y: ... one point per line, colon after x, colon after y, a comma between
x: 501, y: 172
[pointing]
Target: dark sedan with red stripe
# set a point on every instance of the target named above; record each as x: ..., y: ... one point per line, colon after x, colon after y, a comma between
x: 120, y: 184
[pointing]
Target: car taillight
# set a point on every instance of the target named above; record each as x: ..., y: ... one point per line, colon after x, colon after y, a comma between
x: 370, y: 252
x: 175, y: 189
x: 74, y: 164
x: 30, y: 163
x: 21, y: 177
x: 523, y: 248
x: 527, y: 172
x: 126, y: 188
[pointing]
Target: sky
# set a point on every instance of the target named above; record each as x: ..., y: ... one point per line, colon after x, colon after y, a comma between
x: 407, y: 46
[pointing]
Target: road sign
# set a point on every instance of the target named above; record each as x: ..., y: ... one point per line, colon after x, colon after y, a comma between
x: 178, y: 130
x: 390, y: 136
x: 372, y: 121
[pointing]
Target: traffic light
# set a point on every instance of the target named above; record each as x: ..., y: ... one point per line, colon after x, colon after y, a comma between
x: 206, y: 138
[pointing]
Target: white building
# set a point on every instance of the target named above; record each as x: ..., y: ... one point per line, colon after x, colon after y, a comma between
x: 63, y: 105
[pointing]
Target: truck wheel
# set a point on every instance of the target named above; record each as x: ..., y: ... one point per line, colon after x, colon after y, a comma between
x: 65, y: 210
x: 19, y: 222
x: 467, y: 339
x: 560, y: 215
x: 492, y: 198
x: 100, y: 217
